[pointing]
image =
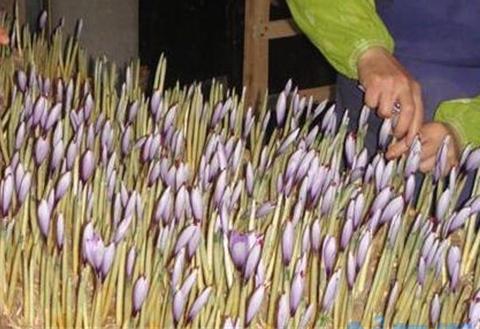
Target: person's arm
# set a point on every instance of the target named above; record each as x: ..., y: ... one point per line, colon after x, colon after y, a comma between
x: 341, y: 29
x: 463, y: 115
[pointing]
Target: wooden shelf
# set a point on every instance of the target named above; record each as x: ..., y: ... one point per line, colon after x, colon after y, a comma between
x: 259, y: 30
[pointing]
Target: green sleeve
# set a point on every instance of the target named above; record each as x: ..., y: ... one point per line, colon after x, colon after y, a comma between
x: 341, y: 29
x: 463, y: 115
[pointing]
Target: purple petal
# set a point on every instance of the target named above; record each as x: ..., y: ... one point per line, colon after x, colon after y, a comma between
x: 140, y: 291
x: 288, y: 242
x: 330, y: 292
x: 296, y: 292
x: 199, y: 303
x: 254, y: 304
x: 43, y: 217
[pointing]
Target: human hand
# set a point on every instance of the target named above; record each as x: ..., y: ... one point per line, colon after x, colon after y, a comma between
x: 3, y: 37
x: 387, y: 85
x: 432, y: 135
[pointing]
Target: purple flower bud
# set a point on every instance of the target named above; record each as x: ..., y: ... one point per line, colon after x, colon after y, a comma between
x: 393, y: 208
x: 364, y: 114
x: 413, y: 159
x: 20, y: 135
x: 185, y: 237
x: 368, y: 174
x: 453, y: 265
x: 107, y: 260
x: 39, y: 109
x: 87, y: 165
x: 130, y: 262
x: 316, y: 235
x: 94, y: 249
x: 330, y: 292
x: 358, y: 209
x: 249, y: 179
x: 62, y: 185
x: 287, y: 141
x: 6, y: 193
x: 329, y: 253
x: 252, y: 260
x: 188, y: 283
x: 122, y: 229
x: 435, y: 308
x: 458, y: 219
x: 181, y: 201
x: 283, y: 313
x: 421, y: 272
x: 473, y: 161
x: 194, y: 242
x: 393, y: 230
x: 281, y: 109
x: 441, y: 162
x: 140, y: 291
x: 385, y: 133
x: 351, y: 270
x: 288, y: 242
x: 179, y: 301
x: 53, y: 116
x: 196, y: 203
x: 41, y: 150
x: 238, y: 247
x: 254, y: 304
x: 60, y: 229
x: 199, y: 303
x: 409, y: 189
x: 363, y: 248
x: 347, y: 233
x: 42, y: 20
x: 264, y: 210
x: 164, y: 207
x: 350, y: 147
x: 296, y: 292
x: 328, y: 199
x: 22, y: 80
x: 43, y: 216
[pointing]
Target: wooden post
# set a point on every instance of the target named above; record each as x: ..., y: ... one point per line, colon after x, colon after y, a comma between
x: 255, y: 61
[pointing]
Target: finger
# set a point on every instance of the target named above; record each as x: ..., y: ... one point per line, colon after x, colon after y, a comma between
x: 427, y: 165
x: 429, y: 149
x: 407, y: 110
x: 417, y: 122
x: 386, y: 104
x: 372, y: 96
x: 397, y: 149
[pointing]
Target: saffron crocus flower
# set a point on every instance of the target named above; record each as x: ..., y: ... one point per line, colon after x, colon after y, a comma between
x: 350, y: 151
x: 185, y: 237
x: 330, y: 292
x: 199, y: 303
x: 453, y: 266
x: 107, y: 261
x: 283, y: 313
x: 473, y: 160
x: 381, y: 199
x: 385, y: 133
x: 347, y: 233
x: 60, y: 231
x: 139, y: 294
x: 288, y: 242
x: 43, y: 216
x: 288, y: 141
x: 6, y: 193
x: 329, y: 253
x: 315, y: 235
x: 442, y: 158
x: 41, y: 150
x: 164, y: 206
x: 296, y: 291
x: 435, y: 308
x: 254, y: 304
x: 393, y: 208
x: 458, y: 219
x: 87, y: 165
x: 62, y: 185
x: 253, y: 259
x: 363, y: 248
x: 238, y: 246
x: 409, y: 189
x: 351, y: 270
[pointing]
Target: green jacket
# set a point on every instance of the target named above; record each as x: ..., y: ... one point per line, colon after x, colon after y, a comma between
x: 343, y: 30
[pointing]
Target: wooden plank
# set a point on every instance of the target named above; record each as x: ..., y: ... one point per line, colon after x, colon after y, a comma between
x: 281, y: 28
x: 255, y: 60
x: 319, y: 94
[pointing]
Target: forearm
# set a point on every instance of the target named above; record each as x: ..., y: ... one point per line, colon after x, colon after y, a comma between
x: 463, y: 116
x: 341, y: 29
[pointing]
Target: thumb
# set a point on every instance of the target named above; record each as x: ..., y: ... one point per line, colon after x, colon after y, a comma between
x: 397, y: 149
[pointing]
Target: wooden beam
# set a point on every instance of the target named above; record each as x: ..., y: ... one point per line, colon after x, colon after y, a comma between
x: 255, y: 60
x: 280, y: 28
x: 319, y: 94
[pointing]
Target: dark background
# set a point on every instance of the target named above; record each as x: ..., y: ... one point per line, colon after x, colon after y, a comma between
x: 204, y: 39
